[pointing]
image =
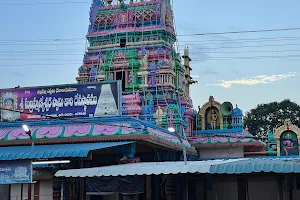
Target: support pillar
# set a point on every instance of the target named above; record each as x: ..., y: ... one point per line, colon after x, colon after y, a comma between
x: 155, y: 187
x: 36, y: 191
x: 66, y: 191
x: 29, y: 191
x: 56, y: 186
x: 148, y: 190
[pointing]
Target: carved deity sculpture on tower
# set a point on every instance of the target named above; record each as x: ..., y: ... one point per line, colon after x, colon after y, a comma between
x: 159, y: 115
x: 145, y: 61
x: 214, y: 118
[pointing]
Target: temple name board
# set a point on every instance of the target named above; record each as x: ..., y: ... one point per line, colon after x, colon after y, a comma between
x: 63, y: 101
x: 15, y: 172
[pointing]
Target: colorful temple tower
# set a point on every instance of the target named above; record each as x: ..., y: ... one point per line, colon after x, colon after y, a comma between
x: 134, y: 41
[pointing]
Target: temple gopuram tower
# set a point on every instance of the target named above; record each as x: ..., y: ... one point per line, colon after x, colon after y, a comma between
x: 134, y: 41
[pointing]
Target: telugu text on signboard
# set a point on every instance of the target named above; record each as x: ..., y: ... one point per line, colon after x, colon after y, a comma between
x: 65, y: 101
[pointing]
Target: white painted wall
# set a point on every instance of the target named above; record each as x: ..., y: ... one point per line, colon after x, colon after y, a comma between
x: 46, y: 191
x: 15, y: 191
x: 229, y: 152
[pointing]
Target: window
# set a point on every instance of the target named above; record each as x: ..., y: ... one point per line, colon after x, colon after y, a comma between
x: 164, y: 79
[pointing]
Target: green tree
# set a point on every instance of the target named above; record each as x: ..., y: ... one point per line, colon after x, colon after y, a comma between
x: 271, y: 115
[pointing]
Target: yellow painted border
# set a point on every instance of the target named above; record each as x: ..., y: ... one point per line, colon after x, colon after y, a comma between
x: 205, y: 107
x: 288, y: 126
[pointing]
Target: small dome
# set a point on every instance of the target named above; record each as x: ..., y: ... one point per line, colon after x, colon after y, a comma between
x: 237, y: 112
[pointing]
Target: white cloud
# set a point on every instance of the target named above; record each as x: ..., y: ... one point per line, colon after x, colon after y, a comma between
x: 195, y: 76
x: 261, y: 79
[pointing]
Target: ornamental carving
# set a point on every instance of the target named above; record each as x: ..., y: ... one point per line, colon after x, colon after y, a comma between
x: 217, y: 110
x: 86, y: 130
x: 287, y: 137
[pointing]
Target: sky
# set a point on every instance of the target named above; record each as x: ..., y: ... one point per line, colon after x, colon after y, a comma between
x: 245, y: 69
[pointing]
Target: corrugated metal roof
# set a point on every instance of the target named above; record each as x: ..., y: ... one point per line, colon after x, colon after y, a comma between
x: 53, y: 151
x: 231, y: 166
x: 255, y: 165
x: 146, y: 168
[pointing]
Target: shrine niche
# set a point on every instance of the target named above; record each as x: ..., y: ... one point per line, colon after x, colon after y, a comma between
x: 289, y: 144
x: 211, y: 116
x: 287, y: 137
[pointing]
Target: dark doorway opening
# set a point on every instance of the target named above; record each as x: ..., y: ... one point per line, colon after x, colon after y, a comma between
x: 121, y: 76
x: 123, y: 42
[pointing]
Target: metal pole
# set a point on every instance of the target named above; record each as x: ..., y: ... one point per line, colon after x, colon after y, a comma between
x: 183, y: 148
x: 32, y: 145
x: 22, y: 191
x: 29, y: 191
x: 32, y: 141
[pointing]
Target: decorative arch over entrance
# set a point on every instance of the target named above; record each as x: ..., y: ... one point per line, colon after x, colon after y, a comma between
x: 211, y: 107
x: 287, y: 137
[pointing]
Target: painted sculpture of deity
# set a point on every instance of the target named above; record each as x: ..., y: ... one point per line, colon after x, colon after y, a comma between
x: 214, y: 118
x: 145, y: 61
x: 289, y: 144
x: 159, y: 114
x: 171, y: 118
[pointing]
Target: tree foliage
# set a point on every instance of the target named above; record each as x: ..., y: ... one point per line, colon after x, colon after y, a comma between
x: 271, y: 115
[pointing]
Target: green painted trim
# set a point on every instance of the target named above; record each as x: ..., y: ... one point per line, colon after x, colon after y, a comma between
x: 105, y: 12
x: 228, y: 142
x: 161, y: 33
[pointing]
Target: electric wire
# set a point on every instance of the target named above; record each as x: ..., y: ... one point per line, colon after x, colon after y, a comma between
x: 215, y: 40
x: 212, y: 52
x: 206, y: 59
x: 191, y: 49
x: 260, y: 39
x: 192, y: 42
x: 18, y: 44
x: 45, y: 3
x: 249, y: 57
x: 37, y: 64
x: 241, y: 32
x: 252, y: 46
x: 179, y: 35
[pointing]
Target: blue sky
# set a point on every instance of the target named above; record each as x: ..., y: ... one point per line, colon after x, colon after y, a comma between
x: 217, y: 59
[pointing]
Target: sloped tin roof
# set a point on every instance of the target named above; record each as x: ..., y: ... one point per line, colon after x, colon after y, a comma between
x: 257, y: 165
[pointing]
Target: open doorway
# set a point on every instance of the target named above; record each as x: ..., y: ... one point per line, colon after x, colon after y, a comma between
x: 121, y: 76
